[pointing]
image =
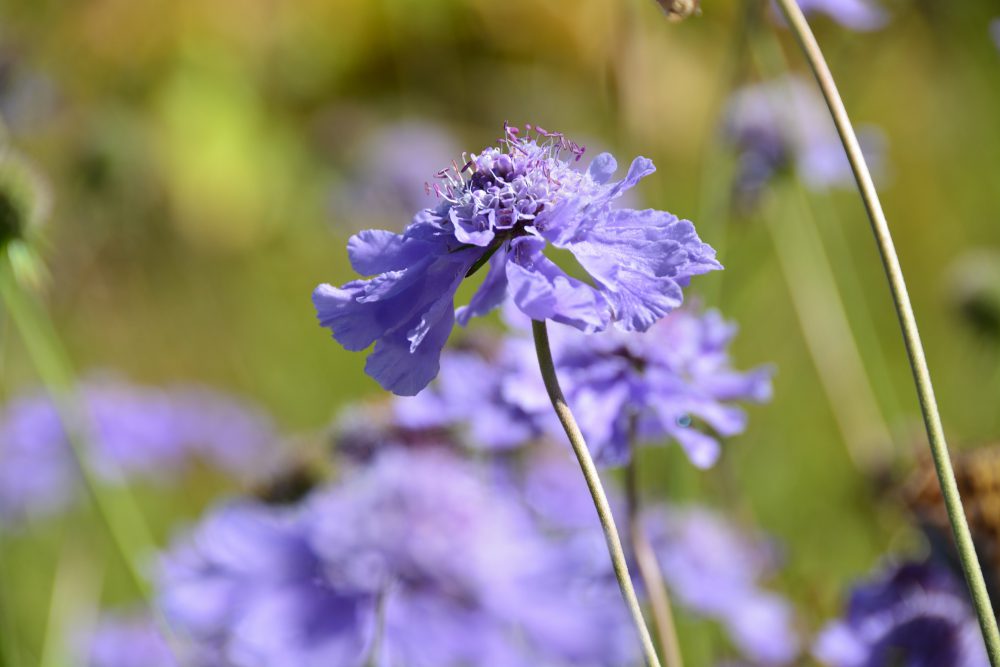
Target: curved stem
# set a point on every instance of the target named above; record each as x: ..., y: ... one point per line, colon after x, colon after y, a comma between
x: 908, y: 323
x: 649, y: 571
x: 593, y: 480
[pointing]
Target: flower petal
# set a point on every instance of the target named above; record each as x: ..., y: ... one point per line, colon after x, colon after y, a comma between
x: 490, y: 294
x: 544, y: 292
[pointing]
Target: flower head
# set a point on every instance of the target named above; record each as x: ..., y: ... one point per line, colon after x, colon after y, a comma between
x: 390, y: 560
x: 624, y: 387
x: 783, y: 124
x: 129, y: 431
x: 503, y: 207
x: 912, y: 615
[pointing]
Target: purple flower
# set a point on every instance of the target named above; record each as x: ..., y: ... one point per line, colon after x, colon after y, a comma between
x: 861, y: 15
x: 784, y: 124
x: 504, y: 207
x: 416, y: 557
x: 715, y: 570
x: 912, y: 615
x: 469, y: 392
x: 248, y: 585
x: 131, y: 431
x: 627, y: 387
x: 995, y: 31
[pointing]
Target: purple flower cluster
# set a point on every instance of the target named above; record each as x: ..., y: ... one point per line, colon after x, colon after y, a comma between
x: 503, y: 207
x: 783, y: 124
x: 415, y: 559
x: 624, y: 388
x: 912, y: 615
x: 129, y: 431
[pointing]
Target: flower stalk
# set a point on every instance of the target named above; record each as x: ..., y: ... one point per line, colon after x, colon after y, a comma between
x: 649, y: 572
x: 911, y: 336
x: 617, y: 553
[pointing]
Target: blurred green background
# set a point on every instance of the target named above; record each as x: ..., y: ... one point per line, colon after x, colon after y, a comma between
x: 206, y: 160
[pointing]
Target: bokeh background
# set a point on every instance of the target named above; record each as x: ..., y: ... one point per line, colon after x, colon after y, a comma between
x: 207, y: 160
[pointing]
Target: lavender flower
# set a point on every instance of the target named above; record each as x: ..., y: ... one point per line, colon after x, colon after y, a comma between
x: 504, y: 206
x: 132, y: 431
x: 912, y: 615
x: 714, y: 570
x: 861, y: 15
x: 784, y: 124
x: 395, y: 563
x: 625, y: 387
x: 995, y: 31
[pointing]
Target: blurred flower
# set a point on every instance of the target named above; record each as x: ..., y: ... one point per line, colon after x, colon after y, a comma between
x: 388, y: 179
x: 995, y: 31
x: 130, y: 431
x: 624, y: 388
x: 912, y: 615
x: 468, y: 392
x: 505, y: 206
x: 415, y: 558
x: 862, y: 15
x: 714, y: 570
x: 784, y: 124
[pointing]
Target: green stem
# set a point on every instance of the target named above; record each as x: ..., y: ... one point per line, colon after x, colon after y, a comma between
x: 125, y: 525
x: 911, y: 336
x: 593, y: 480
x: 649, y: 571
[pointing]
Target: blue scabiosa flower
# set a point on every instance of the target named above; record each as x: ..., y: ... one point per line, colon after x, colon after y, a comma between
x: 131, y: 431
x: 629, y: 388
x: 782, y: 125
x: 390, y: 565
x: 715, y: 570
x: 912, y: 615
x: 503, y: 207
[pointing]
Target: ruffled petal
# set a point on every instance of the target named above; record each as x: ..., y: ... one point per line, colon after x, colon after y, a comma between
x: 376, y: 251
x: 603, y: 167
x: 640, y: 259
x: 544, y: 292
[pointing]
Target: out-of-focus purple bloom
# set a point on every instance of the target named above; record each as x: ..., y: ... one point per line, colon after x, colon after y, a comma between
x: 995, y: 31
x: 130, y: 431
x: 248, y: 584
x: 469, y: 392
x: 417, y: 557
x: 784, y: 124
x: 388, y: 178
x: 627, y: 387
x: 913, y: 615
x: 860, y: 15
x: 504, y: 207
x: 714, y: 570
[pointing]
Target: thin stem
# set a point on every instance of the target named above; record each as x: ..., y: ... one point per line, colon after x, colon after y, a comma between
x: 908, y: 323
x: 593, y: 480
x: 649, y: 571
x: 126, y: 528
